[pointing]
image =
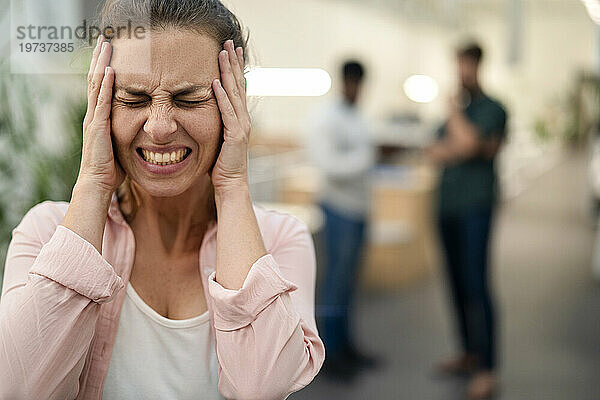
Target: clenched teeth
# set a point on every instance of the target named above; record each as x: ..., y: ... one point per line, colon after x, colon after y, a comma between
x: 173, y: 157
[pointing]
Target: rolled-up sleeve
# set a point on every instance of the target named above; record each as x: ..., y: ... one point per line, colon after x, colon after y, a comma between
x: 235, y: 309
x: 266, y: 337
x: 73, y: 262
x: 48, y: 310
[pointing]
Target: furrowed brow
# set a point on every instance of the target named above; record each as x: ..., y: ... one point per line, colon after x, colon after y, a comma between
x: 189, y: 89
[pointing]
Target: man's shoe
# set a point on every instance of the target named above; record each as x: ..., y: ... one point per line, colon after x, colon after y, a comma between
x: 338, y: 369
x: 483, y: 386
x: 360, y: 359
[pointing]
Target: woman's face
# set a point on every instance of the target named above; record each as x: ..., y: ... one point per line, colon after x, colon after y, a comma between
x: 163, y: 104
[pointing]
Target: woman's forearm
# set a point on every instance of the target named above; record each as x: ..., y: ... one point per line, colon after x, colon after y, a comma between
x: 239, y: 241
x: 87, y: 212
x: 278, y: 292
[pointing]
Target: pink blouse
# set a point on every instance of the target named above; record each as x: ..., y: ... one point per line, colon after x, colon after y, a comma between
x: 61, y: 301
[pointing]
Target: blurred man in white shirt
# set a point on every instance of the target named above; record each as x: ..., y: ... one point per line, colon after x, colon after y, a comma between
x: 340, y: 146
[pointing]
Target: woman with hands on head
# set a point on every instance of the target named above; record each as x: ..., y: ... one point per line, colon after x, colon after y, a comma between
x: 160, y: 278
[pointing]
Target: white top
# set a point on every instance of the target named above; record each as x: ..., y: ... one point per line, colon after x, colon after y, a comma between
x: 341, y: 146
x: 159, y: 358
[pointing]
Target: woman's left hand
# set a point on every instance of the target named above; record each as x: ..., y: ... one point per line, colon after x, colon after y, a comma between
x: 231, y: 168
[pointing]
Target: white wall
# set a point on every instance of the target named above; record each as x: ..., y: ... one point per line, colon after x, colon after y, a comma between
x: 558, y: 40
x: 312, y: 33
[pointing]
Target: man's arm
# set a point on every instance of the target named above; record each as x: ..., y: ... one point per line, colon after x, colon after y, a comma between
x: 463, y: 137
x: 464, y: 140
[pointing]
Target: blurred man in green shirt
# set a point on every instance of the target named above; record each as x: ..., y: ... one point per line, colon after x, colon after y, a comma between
x: 466, y: 147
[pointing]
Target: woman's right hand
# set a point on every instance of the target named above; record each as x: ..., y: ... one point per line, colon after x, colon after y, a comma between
x: 99, y: 168
x: 100, y: 173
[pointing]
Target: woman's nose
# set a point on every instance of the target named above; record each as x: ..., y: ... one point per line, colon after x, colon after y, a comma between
x: 160, y: 124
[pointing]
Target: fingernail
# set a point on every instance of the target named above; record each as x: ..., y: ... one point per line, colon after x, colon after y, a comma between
x: 106, y: 69
x: 99, y: 39
x: 104, y: 46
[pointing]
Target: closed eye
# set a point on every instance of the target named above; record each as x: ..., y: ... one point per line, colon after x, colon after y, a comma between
x: 134, y: 103
x: 191, y: 103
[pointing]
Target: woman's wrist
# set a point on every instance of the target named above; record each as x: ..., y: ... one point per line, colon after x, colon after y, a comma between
x: 233, y: 193
x: 234, y: 189
x: 89, y: 190
x: 87, y: 212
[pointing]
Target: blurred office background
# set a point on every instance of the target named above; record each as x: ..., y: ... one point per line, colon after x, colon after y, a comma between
x: 542, y: 62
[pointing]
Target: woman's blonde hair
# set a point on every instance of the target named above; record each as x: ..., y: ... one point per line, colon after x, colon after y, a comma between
x: 209, y: 17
